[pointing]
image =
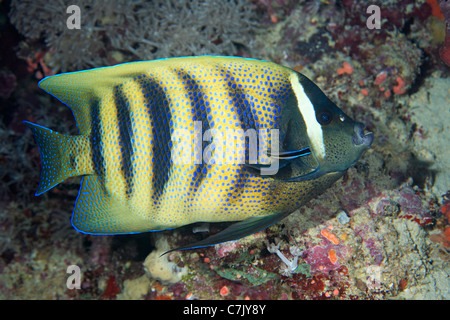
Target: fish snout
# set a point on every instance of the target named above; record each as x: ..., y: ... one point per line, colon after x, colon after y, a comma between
x: 359, y: 137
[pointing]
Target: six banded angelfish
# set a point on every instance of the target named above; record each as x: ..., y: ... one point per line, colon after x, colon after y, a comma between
x: 145, y: 128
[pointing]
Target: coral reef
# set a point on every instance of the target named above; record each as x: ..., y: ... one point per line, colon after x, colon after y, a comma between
x: 7, y: 83
x: 163, y: 268
x: 134, y: 30
x: 432, y: 99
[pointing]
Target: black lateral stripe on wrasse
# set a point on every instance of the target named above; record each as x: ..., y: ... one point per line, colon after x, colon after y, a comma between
x: 125, y: 135
x: 96, y: 139
x: 160, y: 113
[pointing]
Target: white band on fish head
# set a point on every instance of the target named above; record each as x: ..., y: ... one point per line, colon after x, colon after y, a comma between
x: 313, y: 128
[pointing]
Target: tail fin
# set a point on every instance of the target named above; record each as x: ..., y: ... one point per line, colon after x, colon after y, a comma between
x: 62, y: 156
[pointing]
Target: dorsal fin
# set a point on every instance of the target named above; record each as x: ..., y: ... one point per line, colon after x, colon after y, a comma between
x: 72, y: 90
x: 80, y: 90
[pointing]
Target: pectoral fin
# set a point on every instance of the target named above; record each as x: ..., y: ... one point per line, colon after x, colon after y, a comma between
x: 290, y: 155
x: 283, y: 158
x: 309, y: 176
x: 235, y: 231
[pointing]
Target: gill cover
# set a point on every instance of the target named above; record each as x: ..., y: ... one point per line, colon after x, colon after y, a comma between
x: 321, y: 137
x: 337, y: 141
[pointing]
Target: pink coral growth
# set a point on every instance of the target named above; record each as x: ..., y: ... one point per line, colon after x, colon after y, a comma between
x: 404, y: 202
x: 325, y: 257
x: 225, y: 248
x: 100, y: 250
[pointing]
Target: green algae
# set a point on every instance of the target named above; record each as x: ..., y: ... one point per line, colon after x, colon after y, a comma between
x: 255, y: 276
x: 304, y: 269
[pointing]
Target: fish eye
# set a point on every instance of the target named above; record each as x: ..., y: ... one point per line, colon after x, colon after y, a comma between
x: 324, y: 117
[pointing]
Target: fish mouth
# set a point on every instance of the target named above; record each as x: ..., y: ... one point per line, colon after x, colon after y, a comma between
x: 359, y: 137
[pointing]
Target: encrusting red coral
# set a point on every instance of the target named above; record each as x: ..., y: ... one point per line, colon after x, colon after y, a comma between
x: 400, y: 87
x: 435, y: 9
x: 346, y: 68
x: 330, y: 236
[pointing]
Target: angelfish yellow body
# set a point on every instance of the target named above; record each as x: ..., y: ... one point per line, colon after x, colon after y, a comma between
x: 149, y: 151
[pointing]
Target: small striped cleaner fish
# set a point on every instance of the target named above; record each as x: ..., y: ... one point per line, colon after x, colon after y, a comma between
x: 171, y: 142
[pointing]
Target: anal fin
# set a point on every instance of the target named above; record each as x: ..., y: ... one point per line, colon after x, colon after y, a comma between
x: 235, y: 231
x: 96, y: 212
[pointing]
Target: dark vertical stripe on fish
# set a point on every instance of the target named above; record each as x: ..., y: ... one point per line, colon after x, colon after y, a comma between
x: 157, y: 104
x: 242, y: 107
x: 125, y: 135
x: 96, y: 139
x: 199, y: 105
